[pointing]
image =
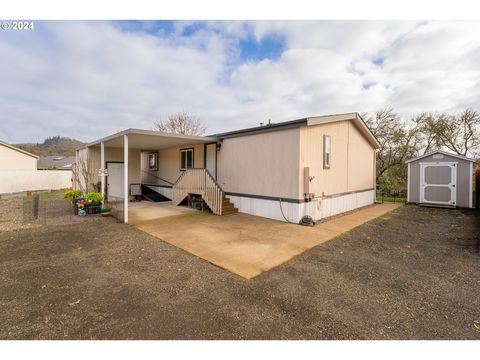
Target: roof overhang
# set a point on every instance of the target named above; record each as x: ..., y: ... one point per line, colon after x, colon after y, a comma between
x: 18, y: 149
x: 354, y: 117
x: 149, y: 140
x: 310, y: 121
x: 440, y: 152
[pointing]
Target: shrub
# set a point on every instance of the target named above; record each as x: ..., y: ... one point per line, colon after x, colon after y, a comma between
x: 94, y: 197
x: 72, y: 194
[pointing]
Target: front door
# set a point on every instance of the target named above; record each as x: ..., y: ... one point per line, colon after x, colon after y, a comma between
x: 438, y: 183
x: 115, y: 181
x: 211, y: 159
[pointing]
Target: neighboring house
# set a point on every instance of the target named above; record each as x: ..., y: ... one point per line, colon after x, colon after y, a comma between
x: 440, y: 178
x: 318, y: 166
x: 13, y: 158
x: 55, y: 162
x: 18, y: 172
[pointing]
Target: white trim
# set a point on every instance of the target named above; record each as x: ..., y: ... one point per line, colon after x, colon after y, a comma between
x: 11, y: 147
x: 327, y: 149
x: 125, y: 178
x: 452, y: 185
x: 470, y: 184
x: 374, y: 175
x: 199, y: 139
x: 102, y: 167
x: 439, y: 152
x: 408, y: 182
x: 355, y: 117
x: 187, y: 150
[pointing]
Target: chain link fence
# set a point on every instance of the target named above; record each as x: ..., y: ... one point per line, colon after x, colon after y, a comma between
x: 37, y: 210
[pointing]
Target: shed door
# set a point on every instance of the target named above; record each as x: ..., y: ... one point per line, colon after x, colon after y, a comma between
x: 438, y: 183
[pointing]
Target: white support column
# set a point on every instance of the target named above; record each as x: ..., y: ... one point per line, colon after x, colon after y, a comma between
x: 125, y: 178
x: 102, y: 168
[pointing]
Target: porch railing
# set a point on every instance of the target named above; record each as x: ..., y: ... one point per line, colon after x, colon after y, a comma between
x: 198, y: 181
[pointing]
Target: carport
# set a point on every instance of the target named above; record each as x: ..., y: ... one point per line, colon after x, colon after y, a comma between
x: 122, y: 152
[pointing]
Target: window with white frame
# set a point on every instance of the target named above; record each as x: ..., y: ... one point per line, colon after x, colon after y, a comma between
x: 153, y: 161
x: 327, y: 154
x: 186, y: 159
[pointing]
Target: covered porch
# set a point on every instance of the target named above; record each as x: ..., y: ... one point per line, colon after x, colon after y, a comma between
x: 170, y: 165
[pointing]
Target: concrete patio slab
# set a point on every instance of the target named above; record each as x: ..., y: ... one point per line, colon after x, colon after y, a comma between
x: 249, y: 245
x: 142, y: 211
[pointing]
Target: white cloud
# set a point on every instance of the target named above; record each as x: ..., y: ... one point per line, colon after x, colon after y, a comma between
x: 89, y: 79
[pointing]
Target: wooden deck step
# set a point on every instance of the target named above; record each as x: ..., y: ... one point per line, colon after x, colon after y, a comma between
x: 228, y: 207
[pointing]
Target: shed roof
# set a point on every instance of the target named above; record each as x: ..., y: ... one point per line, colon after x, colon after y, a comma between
x: 2, y: 143
x: 440, y: 152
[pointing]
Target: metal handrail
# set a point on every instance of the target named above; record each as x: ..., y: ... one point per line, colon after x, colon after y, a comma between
x: 158, y: 177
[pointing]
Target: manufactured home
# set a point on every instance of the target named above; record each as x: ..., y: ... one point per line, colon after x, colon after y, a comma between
x: 317, y: 166
x: 442, y: 179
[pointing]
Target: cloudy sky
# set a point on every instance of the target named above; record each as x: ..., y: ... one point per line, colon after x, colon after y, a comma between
x: 88, y: 79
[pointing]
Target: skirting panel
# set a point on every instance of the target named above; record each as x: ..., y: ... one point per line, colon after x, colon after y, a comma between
x: 266, y: 208
x: 322, y: 208
x: 318, y: 208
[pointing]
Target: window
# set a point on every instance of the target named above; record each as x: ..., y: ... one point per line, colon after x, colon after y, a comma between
x: 327, y: 156
x: 153, y: 161
x: 186, y: 159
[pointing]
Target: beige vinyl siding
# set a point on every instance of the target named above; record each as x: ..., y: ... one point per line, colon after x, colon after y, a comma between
x: 351, y: 167
x: 114, y: 154
x: 169, y: 162
x: 264, y: 164
x: 12, y: 160
x: 326, y: 181
x: 360, y: 161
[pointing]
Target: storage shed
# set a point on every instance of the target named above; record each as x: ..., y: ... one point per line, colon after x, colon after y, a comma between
x: 440, y: 178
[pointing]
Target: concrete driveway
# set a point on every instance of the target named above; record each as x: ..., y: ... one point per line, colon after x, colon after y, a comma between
x: 249, y: 245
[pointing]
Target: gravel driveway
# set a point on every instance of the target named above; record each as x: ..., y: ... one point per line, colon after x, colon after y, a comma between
x: 411, y: 274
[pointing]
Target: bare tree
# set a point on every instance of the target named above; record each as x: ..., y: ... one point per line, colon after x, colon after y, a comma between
x: 398, y: 142
x: 460, y: 133
x: 84, y: 176
x: 181, y: 123
x: 429, y: 127
x: 425, y: 132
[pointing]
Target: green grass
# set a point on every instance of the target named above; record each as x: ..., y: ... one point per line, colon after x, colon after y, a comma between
x: 54, y: 194
x: 391, y: 199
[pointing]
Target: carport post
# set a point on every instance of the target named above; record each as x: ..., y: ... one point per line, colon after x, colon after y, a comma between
x: 125, y: 178
x: 102, y: 168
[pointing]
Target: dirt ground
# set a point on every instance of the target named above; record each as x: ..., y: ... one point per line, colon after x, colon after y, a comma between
x: 411, y: 274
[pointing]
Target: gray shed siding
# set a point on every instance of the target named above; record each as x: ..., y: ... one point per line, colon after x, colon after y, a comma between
x: 464, y: 179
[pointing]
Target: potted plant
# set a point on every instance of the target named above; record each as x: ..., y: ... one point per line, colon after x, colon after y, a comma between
x: 106, y: 209
x: 75, y: 196
x: 94, y: 202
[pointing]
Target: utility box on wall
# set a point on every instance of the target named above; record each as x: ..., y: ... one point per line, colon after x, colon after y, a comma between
x: 307, y: 179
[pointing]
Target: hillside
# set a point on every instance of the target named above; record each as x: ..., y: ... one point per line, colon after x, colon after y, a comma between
x: 55, y: 145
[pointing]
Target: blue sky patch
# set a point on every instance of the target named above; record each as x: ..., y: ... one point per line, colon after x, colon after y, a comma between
x: 379, y: 60
x: 157, y: 27
x: 269, y: 47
